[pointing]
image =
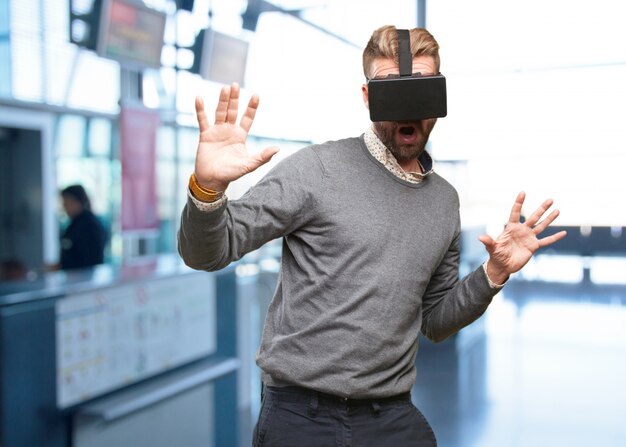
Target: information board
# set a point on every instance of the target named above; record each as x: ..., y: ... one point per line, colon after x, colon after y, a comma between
x: 113, y: 337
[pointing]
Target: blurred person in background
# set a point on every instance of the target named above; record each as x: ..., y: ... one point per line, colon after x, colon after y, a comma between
x: 370, y: 258
x: 84, y: 240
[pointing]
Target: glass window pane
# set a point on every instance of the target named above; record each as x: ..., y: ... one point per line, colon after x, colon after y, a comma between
x: 56, y: 19
x: 115, y: 205
x: 187, y: 143
x: 25, y: 17
x: 184, y: 171
x: 567, y: 83
x: 100, y: 137
x: 189, y: 86
x: 5, y: 50
x: 168, y: 80
x: 4, y: 17
x: 60, y: 58
x: 26, y: 50
x: 5, y: 68
x: 166, y: 143
x: 26, y: 66
x: 70, y: 136
x: 168, y: 56
x: 166, y: 190
x: 96, y: 84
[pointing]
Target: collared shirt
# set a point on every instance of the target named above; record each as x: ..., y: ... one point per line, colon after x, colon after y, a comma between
x: 380, y: 152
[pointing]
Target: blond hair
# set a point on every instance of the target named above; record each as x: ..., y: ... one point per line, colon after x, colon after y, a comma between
x: 384, y: 44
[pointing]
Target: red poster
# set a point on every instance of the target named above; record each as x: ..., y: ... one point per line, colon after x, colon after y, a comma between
x: 138, y: 132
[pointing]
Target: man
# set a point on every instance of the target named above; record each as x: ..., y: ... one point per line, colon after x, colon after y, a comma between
x: 370, y: 259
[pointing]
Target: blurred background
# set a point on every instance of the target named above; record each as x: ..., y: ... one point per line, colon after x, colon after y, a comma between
x: 139, y: 350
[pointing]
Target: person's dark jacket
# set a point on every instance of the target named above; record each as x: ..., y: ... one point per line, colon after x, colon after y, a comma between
x: 82, y: 243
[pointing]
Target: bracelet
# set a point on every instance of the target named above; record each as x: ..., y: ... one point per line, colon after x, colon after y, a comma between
x: 201, y: 193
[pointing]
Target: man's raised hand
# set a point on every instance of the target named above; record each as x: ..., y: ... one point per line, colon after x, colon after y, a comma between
x: 222, y: 155
x: 519, y: 241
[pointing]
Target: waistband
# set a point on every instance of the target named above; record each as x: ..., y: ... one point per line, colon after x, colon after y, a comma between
x: 296, y: 394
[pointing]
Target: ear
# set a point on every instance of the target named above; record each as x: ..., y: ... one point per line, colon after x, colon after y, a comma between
x: 365, y: 93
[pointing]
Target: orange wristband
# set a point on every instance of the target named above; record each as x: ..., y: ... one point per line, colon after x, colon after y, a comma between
x: 201, y: 193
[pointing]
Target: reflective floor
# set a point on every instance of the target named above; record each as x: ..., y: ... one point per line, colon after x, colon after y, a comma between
x: 545, y: 366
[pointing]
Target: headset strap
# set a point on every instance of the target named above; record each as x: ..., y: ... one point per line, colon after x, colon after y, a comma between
x: 404, y: 52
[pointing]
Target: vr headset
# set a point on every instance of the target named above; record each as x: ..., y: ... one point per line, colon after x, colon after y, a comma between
x: 408, y: 96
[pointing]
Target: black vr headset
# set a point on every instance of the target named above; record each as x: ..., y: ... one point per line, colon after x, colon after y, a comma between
x: 408, y: 96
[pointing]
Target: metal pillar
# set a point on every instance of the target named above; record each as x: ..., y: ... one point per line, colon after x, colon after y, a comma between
x: 421, y: 13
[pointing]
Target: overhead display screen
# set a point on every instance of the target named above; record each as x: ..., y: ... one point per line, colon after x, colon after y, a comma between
x: 221, y: 58
x: 131, y: 33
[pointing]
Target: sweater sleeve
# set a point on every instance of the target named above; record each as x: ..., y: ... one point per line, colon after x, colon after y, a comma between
x: 279, y: 204
x: 449, y: 304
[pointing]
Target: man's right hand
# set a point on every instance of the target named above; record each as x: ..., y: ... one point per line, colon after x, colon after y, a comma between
x: 222, y: 155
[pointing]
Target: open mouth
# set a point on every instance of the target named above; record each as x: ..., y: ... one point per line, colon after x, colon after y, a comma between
x: 407, y: 130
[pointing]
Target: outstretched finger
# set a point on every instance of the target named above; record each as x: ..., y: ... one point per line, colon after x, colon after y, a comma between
x: 203, y: 122
x: 534, y: 217
x: 516, y: 211
x: 546, y: 222
x: 222, y: 106
x: 544, y: 242
x: 248, y: 116
x: 233, y: 104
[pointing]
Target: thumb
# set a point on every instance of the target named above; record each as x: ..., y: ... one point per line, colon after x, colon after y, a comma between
x: 264, y: 156
x: 261, y: 158
x: 487, y: 241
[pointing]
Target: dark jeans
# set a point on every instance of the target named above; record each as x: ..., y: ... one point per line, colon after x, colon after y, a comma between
x: 298, y: 417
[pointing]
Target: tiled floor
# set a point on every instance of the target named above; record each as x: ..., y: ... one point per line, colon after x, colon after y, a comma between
x: 545, y: 366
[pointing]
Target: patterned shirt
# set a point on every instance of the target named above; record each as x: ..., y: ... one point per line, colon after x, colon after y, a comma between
x: 380, y: 152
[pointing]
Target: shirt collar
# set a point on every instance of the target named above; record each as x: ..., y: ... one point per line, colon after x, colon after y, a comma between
x: 381, y: 153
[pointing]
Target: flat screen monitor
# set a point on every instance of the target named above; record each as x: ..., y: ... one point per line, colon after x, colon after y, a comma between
x: 221, y: 58
x: 131, y: 33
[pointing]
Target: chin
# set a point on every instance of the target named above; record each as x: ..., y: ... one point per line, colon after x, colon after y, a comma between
x: 404, y: 152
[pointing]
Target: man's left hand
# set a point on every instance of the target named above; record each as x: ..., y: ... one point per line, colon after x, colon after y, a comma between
x: 519, y: 241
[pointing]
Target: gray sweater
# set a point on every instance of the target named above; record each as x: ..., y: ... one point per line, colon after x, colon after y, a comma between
x: 368, y: 261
